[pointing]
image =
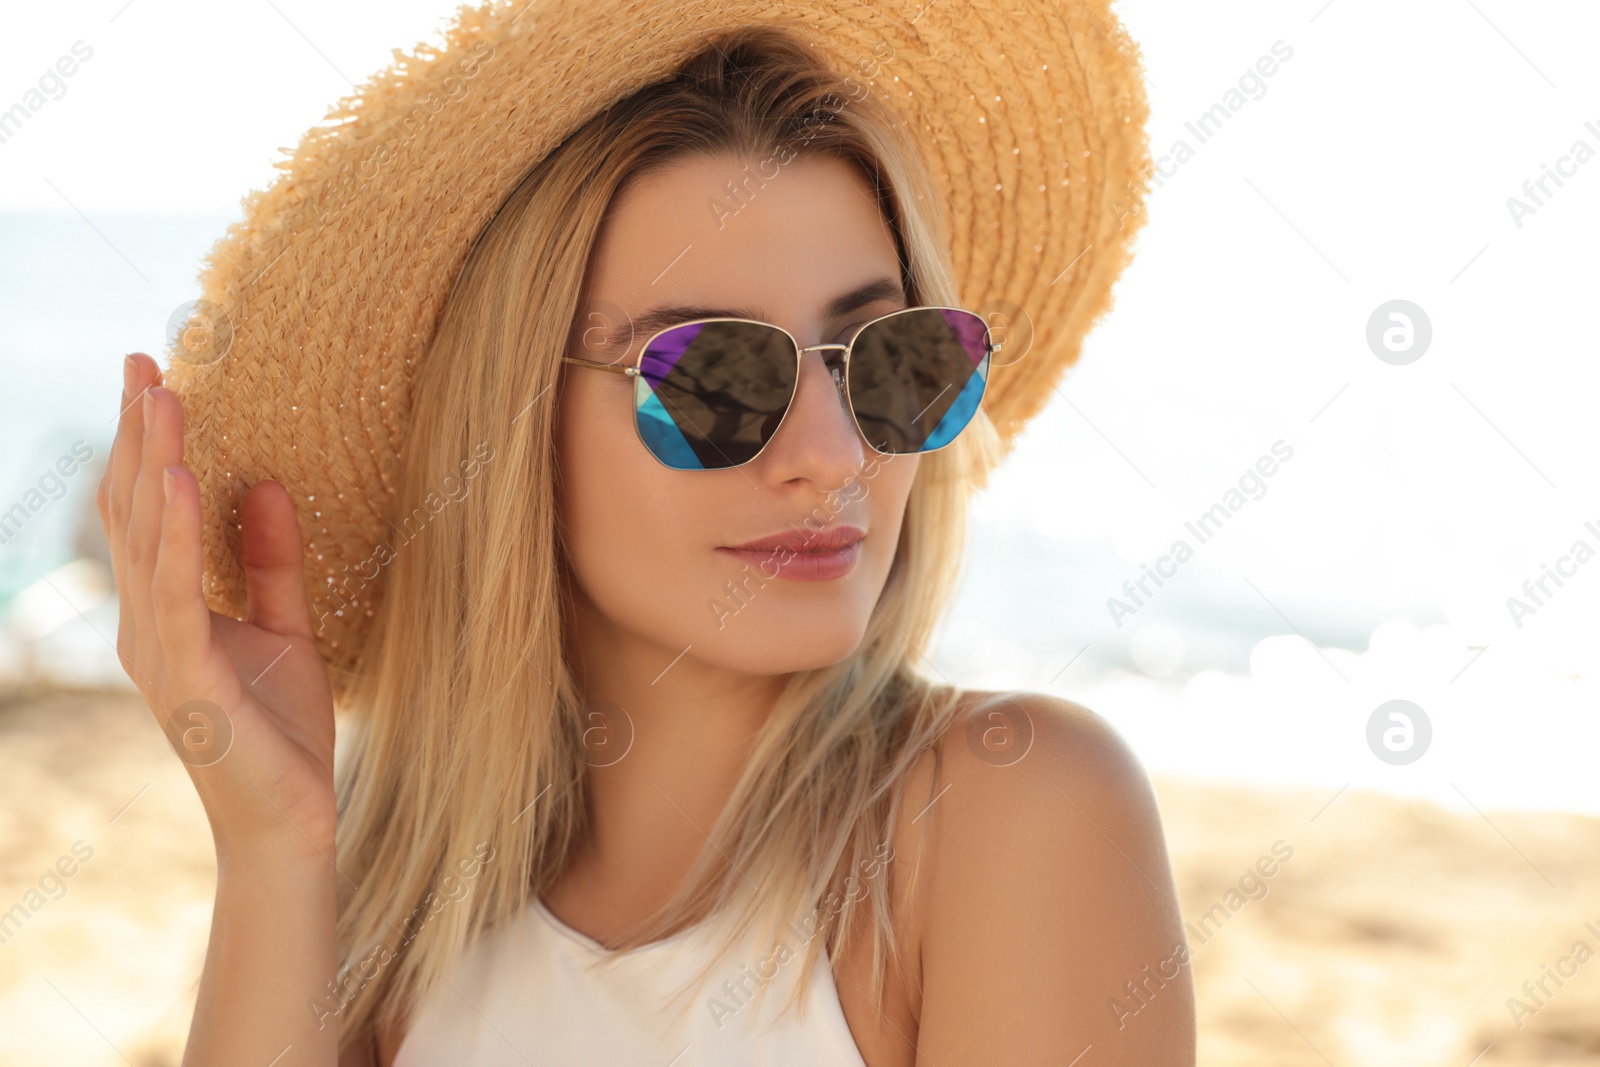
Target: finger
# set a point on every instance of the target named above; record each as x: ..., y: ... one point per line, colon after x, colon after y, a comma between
x: 182, y: 618
x: 122, y: 468
x: 121, y: 472
x: 160, y: 447
x: 102, y: 491
x: 274, y: 561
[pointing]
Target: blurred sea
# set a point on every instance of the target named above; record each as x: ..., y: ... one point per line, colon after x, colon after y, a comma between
x: 1209, y: 679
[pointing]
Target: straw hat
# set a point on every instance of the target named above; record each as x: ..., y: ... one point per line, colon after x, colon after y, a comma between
x: 296, y: 363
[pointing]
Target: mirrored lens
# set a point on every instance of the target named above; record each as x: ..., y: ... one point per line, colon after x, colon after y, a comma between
x: 710, y: 394
x: 917, y: 376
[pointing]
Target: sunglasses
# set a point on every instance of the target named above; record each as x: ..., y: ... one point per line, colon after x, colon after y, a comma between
x: 710, y: 394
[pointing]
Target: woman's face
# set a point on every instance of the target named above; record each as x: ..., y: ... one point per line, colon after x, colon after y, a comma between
x: 650, y: 545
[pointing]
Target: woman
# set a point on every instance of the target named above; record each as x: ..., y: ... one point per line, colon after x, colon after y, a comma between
x: 641, y: 760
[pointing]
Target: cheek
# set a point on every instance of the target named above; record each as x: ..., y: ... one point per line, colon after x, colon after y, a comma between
x: 890, y: 488
x: 886, y: 494
x: 598, y: 476
x: 627, y: 528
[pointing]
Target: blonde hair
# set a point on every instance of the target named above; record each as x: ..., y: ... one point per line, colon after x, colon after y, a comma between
x: 461, y: 752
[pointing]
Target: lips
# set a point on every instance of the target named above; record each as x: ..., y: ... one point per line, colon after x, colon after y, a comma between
x: 829, y: 539
x: 803, y: 556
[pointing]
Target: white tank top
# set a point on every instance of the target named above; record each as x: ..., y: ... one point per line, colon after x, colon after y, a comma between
x: 522, y: 996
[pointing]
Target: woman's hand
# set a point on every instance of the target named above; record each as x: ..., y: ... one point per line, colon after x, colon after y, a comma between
x: 247, y: 705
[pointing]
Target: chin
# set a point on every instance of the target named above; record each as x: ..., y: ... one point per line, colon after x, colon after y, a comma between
x: 781, y: 642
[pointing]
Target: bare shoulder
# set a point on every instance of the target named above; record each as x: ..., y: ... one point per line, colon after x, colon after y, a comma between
x: 1009, y: 729
x: 1007, y: 754
x: 1047, y: 900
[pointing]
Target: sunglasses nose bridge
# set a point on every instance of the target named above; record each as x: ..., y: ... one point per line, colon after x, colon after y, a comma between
x: 818, y: 348
x: 836, y: 368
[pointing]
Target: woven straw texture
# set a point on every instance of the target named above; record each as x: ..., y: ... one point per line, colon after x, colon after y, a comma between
x: 325, y: 295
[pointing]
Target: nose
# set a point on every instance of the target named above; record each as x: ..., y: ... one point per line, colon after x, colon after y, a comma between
x: 817, y: 441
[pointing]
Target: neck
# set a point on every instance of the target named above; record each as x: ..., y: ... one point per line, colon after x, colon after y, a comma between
x: 668, y: 735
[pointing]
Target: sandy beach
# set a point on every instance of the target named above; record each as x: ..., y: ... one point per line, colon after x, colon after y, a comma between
x: 1326, y: 928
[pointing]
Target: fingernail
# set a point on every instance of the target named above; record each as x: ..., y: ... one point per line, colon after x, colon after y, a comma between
x: 168, y: 483
x: 130, y: 371
x: 149, y: 410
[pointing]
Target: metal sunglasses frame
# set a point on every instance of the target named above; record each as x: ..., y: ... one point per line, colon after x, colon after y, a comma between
x: 841, y: 379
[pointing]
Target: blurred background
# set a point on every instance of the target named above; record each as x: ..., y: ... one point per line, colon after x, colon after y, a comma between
x: 1369, y: 259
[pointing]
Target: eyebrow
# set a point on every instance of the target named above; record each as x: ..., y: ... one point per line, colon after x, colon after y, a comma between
x: 655, y: 319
